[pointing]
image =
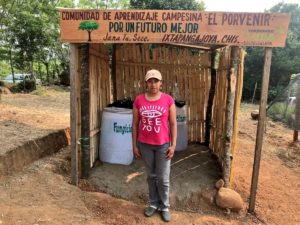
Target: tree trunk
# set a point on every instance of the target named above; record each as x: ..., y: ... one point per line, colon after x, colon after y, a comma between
x: 56, y: 69
x: 47, y: 71
x: 40, y: 71
x: 85, y: 111
x: 11, y: 66
x: 53, y: 75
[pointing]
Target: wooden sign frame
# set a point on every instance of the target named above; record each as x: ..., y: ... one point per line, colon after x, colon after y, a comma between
x: 173, y: 26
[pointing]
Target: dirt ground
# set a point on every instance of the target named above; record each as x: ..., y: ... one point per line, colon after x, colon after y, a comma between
x: 41, y: 193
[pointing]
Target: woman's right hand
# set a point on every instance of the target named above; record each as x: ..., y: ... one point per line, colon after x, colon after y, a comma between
x: 136, y: 152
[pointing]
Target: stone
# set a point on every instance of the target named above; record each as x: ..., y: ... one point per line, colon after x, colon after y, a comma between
x: 220, y: 183
x: 4, y: 90
x: 227, y: 198
x: 255, y: 114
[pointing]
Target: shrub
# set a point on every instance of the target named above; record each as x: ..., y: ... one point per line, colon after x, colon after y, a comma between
x: 26, y: 86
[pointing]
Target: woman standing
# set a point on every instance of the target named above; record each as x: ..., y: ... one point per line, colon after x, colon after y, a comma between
x: 154, y: 132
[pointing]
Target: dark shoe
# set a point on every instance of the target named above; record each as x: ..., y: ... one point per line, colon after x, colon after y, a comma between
x: 149, y: 211
x: 166, y: 216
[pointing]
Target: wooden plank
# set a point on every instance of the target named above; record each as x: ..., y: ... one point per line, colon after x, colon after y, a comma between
x: 74, y: 58
x: 189, y: 46
x: 260, y: 127
x: 218, y: 26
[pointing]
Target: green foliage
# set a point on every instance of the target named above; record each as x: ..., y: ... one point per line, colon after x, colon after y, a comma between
x: 96, y: 4
x: 275, y: 91
x: 31, y: 40
x: 285, y: 61
x: 4, y: 69
x: 167, y: 4
x: 88, y: 25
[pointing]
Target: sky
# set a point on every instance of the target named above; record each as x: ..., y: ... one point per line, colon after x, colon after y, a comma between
x: 243, y: 5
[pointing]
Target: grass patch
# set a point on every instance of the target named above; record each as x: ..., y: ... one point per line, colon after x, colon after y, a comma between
x: 50, y: 90
x: 40, y: 91
x: 283, y: 112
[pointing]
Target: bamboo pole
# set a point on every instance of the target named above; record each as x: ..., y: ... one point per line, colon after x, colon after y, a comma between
x: 237, y: 103
x: 260, y: 127
x: 85, y: 110
x: 212, y: 91
x: 229, y: 114
x: 73, y: 112
x: 113, y: 72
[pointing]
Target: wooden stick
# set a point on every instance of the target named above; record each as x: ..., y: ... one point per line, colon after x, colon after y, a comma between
x: 260, y: 127
x: 85, y: 111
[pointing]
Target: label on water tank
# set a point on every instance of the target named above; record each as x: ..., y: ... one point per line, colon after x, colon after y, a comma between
x: 123, y: 129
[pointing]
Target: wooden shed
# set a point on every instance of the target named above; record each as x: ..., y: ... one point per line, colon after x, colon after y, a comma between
x: 198, y: 52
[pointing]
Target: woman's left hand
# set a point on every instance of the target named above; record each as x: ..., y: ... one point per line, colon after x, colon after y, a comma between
x: 170, y: 152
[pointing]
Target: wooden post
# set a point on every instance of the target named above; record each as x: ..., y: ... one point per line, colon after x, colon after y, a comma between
x: 232, y: 74
x: 208, y: 122
x: 85, y: 111
x: 74, y: 60
x: 113, y: 72
x: 295, y: 135
x: 260, y: 127
x: 297, y: 111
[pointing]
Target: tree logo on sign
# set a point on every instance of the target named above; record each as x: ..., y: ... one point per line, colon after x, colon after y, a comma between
x: 89, y: 26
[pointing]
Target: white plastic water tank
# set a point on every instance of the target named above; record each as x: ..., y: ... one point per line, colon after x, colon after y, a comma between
x: 182, y: 129
x: 116, y: 136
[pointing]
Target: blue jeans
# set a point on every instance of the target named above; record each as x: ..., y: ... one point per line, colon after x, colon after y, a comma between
x: 158, y: 173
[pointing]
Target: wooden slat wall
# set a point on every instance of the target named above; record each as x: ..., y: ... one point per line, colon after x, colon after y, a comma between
x: 189, y: 69
x: 100, y: 93
x: 219, y: 105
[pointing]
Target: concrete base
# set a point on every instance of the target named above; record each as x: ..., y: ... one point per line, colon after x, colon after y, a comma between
x: 193, y: 174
